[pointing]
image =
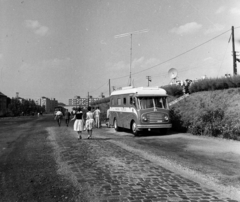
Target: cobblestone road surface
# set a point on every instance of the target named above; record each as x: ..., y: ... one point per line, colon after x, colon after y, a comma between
x: 113, y: 174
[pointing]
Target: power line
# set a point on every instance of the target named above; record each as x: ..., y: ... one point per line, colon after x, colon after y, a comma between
x: 98, y: 88
x: 182, y: 53
x: 175, y: 57
x: 224, y: 54
x: 204, y: 16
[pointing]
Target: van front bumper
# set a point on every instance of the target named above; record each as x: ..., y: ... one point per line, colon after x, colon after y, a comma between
x: 154, y: 126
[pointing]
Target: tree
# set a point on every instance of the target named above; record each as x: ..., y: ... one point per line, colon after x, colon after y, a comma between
x: 15, y: 107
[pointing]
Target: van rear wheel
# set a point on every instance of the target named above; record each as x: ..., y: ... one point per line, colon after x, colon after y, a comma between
x: 134, y: 128
x: 116, y: 125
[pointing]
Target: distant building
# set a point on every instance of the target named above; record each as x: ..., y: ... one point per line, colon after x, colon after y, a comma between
x: 48, y: 104
x: 75, y: 101
x: 78, y: 101
x: 53, y: 103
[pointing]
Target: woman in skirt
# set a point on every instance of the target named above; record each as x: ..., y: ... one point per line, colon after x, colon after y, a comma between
x: 89, y: 122
x: 78, y: 124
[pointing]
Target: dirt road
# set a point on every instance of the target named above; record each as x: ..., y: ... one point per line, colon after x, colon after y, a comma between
x: 40, y: 161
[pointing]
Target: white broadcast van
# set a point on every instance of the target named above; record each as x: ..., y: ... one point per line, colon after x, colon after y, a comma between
x: 138, y: 109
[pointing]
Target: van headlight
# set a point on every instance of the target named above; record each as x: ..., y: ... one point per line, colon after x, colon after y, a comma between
x: 144, y: 118
x: 166, y: 118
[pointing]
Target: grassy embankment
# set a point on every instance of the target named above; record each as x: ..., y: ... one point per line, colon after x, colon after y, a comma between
x: 213, y: 113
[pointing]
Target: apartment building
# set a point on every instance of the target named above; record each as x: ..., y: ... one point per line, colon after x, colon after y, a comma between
x: 78, y: 101
x: 49, y: 104
x: 75, y: 101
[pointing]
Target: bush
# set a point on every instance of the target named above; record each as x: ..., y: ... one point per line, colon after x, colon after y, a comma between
x: 173, y: 90
x: 215, y: 84
x: 177, y: 123
x: 214, y: 113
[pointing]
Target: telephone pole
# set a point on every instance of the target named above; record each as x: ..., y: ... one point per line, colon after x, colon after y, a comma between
x: 234, y: 54
x: 109, y: 87
x: 149, y: 79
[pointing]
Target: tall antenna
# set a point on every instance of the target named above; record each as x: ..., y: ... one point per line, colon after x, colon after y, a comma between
x: 130, y: 34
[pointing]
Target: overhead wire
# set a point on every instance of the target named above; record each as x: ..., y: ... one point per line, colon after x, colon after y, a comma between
x: 98, y: 88
x: 170, y: 59
x: 182, y: 53
x: 224, y: 54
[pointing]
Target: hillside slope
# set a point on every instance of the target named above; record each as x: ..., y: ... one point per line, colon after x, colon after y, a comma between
x: 213, y: 113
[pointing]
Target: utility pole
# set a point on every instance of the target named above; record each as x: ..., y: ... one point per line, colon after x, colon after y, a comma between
x: 109, y: 84
x: 149, y: 79
x: 88, y: 99
x: 234, y: 54
x: 130, y: 34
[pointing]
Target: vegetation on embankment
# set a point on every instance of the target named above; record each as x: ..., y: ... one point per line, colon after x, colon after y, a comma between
x: 213, y: 113
x: 210, y: 84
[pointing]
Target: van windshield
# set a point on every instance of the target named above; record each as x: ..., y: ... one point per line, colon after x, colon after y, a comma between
x: 152, y: 102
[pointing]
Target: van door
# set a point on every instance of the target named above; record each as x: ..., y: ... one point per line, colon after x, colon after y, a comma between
x: 125, y: 111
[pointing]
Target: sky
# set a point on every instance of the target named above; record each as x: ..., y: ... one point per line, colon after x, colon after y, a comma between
x: 63, y: 48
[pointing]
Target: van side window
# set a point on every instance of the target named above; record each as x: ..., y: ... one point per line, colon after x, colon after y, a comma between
x: 112, y: 101
x: 124, y: 101
x: 131, y: 100
x: 119, y: 101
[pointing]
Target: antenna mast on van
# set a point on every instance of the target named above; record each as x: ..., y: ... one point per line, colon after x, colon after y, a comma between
x: 130, y: 34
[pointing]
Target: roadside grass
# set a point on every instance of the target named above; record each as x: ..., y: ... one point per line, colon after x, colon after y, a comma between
x: 64, y: 168
x: 8, y: 130
x: 211, y: 113
x: 27, y: 169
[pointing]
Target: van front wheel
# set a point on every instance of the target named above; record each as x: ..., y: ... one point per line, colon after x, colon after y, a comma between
x: 134, y: 128
x: 115, y: 125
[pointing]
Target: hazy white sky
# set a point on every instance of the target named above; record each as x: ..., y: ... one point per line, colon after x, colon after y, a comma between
x: 63, y: 48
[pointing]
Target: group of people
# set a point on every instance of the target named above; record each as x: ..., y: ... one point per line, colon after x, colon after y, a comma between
x: 82, y: 120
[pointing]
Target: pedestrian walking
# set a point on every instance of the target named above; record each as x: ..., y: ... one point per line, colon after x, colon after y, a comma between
x: 67, y: 116
x: 58, y: 117
x: 107, y: 119
x: 78, y: 124
x: 89, y: 122
x: 84, y: 117
x: 97, y: 113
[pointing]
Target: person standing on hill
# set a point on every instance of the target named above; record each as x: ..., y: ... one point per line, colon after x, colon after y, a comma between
x: 89, y: 122
x: 97, y: 113
x: 78, y: 124
x: 67, y: 117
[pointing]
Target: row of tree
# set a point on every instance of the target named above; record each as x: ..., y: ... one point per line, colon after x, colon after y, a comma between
x: 27, y: 107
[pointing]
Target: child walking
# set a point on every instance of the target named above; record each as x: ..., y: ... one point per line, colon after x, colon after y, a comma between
x: 78, y: 124
x: 89, y: 122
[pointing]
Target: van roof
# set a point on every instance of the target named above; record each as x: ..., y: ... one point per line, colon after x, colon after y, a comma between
x: 141, y: 91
